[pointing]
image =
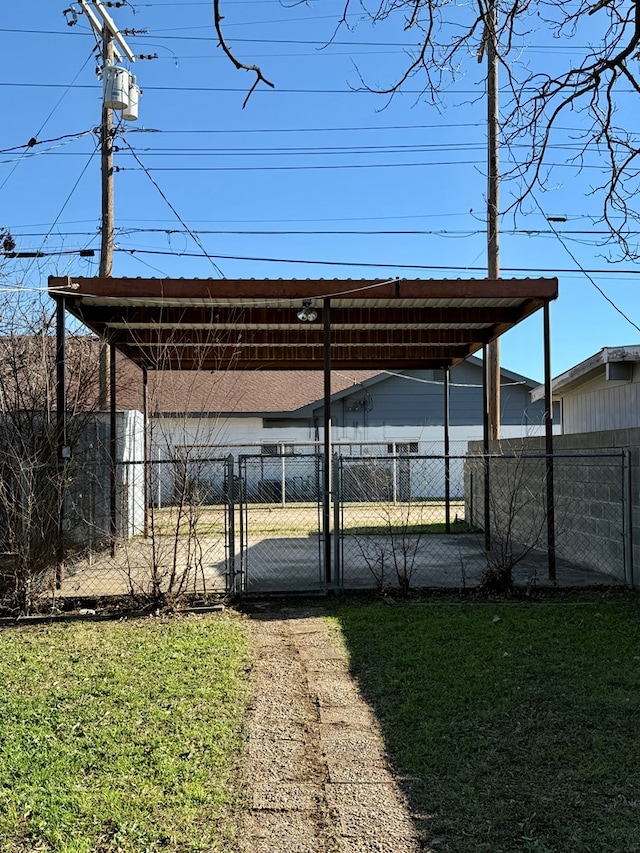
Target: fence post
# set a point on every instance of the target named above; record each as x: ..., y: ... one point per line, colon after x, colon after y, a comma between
x: 548, y: 431
x: 337, y: 526
x: 627, y: 519
x: 231, y: 529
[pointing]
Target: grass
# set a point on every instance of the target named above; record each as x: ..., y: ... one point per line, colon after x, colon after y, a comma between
x: 302, y: 519
x: 118, y: 737
x: 515, y: 727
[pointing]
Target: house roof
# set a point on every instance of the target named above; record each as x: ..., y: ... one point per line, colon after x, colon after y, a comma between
x: 292, y: 393
x: 247, y: 392
x: 192, y: 324
x: 588, y: 370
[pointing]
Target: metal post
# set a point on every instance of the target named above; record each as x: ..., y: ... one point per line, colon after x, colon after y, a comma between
x: 231, y: 532
x: 337, y: 532
x: 485, y: 447
x: 326, y: 502
x: 627, y: 518
x: 395, y: 472
x: 146, y: 456
x: 113, y: 449
x: 548, y: 432
x: 61, y: 429
x: 447, y: 461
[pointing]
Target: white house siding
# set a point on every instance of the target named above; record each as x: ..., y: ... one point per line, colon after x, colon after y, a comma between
x: 605, y: 406
x: 200, y: 439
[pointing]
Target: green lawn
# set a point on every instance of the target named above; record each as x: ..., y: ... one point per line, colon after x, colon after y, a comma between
x: 514, y: 727
x: 121, y: 737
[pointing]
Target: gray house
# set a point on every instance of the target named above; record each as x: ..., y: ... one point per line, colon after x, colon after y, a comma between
x: 273, y: 414
x: 285, y: 408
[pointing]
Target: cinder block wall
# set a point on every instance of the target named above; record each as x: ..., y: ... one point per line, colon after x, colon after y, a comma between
x: 597, y: 497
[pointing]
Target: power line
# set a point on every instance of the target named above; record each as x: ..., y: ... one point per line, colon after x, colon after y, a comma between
x: 46, y: 121
x: 193, y: 236
x: 370, y: 232
x: 452, y: 268
x: 587, y: 272
x: 33, y: 142
x: 452, y: 92
x: 340, y: 167
x: 66, y: 201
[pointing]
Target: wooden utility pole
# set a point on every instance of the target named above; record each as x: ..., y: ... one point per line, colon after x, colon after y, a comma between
x: 107, y: 32
x: 106, y: 233
x: 106, y: 163
x: 493, y: 176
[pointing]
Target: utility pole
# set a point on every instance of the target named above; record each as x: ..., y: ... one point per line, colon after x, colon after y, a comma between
x: 105, y: 268
x: 489, y: 43
x: 108, y: 33
x: 106, y: 165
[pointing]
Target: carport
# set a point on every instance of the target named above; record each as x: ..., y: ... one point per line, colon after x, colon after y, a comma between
x: 194, y: 324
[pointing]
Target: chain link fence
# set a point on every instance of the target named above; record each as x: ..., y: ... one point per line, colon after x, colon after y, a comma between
x: 246, y: 522
x: 174, y: 528
x: 592, y: 520
x: 394, y: 525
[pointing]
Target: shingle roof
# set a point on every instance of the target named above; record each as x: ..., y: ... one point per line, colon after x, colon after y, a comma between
x: 232, y: 392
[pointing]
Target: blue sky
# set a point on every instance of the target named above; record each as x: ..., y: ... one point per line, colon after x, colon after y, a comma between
x: 313, y: 179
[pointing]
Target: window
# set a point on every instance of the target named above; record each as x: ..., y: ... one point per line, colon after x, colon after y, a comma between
x: 403, y: 448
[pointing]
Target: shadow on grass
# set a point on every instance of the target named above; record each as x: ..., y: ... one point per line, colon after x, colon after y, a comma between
x: 511, y: 727
x: 428, y: 528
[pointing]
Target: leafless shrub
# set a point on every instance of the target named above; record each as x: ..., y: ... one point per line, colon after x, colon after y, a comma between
x: 389, y: 547
x: 33, y: 479
x: 517, y: 514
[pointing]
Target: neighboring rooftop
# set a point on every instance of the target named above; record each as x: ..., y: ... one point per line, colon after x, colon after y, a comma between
x: 245, y: 392
x: 615, y: 363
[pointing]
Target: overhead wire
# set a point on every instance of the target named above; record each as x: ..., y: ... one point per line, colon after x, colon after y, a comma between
x: 66, y: 201
x: 193, y: 236
x: 33, y: 142
x: 587, y: 273
x: 373, y: 264
x: 46, y: 121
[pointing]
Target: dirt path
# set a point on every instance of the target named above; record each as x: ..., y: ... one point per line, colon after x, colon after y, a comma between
x: 316, y: 773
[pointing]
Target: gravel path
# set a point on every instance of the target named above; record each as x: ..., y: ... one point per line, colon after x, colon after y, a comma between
x: 317, y: 777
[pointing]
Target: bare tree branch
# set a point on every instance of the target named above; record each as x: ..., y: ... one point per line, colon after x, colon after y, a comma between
x: 260, y: 78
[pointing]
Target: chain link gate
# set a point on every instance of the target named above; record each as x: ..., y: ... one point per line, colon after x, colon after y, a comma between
x: 281, y: 541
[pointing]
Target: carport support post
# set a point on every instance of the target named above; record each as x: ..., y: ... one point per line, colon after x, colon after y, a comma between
x: 113, y: 525
x: 548, y: 432
x: 447, y: 464
x: 485, y: 446
x: 326, y: 480
x: 61, y: 428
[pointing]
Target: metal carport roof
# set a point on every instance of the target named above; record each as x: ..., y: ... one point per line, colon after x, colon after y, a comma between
x: 249, y: 324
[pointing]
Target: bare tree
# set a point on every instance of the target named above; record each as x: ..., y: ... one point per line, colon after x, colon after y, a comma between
x: 185, y: 514
x: 591, y: 86
x: 33, y: 481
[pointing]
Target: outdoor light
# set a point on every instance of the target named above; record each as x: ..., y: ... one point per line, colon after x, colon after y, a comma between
x: 307, y: 314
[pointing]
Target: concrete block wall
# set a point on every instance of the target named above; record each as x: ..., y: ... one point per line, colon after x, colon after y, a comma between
x: 597, y: 496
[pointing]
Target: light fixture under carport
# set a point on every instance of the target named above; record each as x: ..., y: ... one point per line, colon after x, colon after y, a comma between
x: 307, y: 314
